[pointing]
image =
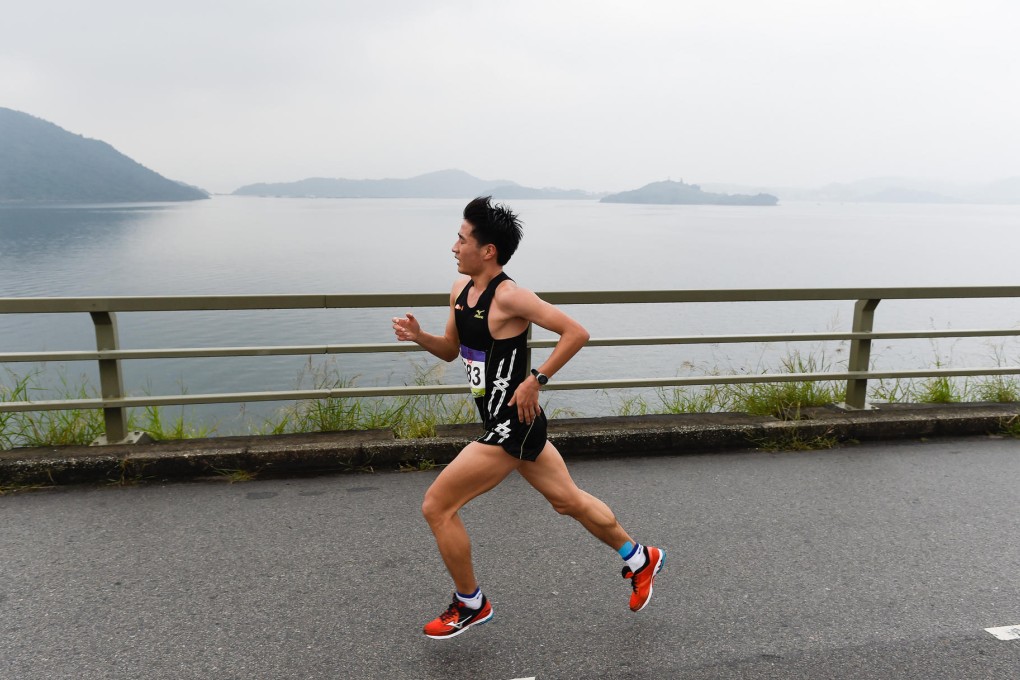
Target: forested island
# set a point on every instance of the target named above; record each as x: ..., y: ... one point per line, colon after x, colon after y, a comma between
x: 41, y: 162
x: 679, y: 193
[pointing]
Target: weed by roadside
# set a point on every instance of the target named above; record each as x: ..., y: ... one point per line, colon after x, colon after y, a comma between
x: 48, y: 428
x: 410, y: 417
x: 793, y: 440
x: 635, y: 405
x: 130, y: 472
x: 1010, y: 427
x: 418, y: 465
x: 679, y: 400
x: 1000, y: 389
x: 939, y: 389
x: 153, y: 422
x: 785, y: 400
x: 416, y: 416
x: 10, y: 489
x: 234, y: 476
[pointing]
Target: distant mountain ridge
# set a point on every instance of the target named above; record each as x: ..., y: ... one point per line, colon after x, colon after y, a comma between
x: 441, y: 184
x: 40, y: 161
x: 901, y: 190
x: 895, y: 190
x: 679, y: 193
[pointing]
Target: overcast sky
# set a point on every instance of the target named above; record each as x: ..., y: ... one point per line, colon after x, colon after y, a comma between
x: 592, y: 95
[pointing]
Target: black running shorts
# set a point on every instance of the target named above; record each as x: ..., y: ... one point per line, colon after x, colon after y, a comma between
x: 519, y: 439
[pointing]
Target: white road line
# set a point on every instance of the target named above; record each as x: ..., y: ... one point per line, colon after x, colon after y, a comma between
x: 531, y: 678
x: 1006, y: 632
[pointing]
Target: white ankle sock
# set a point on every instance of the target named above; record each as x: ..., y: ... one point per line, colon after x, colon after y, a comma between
x: 473, y: 601
x: 638, y: 559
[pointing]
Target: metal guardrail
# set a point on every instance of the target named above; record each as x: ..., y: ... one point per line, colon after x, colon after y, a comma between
x: 114, y: 403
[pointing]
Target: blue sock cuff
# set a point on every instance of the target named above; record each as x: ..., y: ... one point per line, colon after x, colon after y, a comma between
x: 474, y: 594
x: 628, y: 550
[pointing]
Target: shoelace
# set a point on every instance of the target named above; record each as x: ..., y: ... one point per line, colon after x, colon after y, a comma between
x: 452, y: 612
x: 627, y: 573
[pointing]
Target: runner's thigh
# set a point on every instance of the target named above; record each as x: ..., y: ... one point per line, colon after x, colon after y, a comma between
x: 475, y: 470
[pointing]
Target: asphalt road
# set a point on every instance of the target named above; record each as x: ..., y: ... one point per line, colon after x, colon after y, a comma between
x: 872, y: 561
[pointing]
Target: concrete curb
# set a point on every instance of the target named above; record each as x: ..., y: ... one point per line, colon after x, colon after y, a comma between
x: 331, y: 452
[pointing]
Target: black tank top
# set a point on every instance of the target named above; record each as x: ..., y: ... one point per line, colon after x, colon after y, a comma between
x: 494, y: 367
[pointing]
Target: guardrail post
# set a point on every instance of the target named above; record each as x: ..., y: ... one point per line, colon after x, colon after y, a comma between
x: 860, y: 353
x: 110, y: 380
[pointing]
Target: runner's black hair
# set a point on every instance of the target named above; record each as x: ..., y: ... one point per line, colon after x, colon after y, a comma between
x: 495, y: 224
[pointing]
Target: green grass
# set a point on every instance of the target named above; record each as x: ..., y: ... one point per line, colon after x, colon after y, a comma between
x: 951, y: 390
x: 786, y: 400
x: 418, y: 465
x: 889, y: 391
x: 152, y: 420
x: 783, y: 400
x: 48, y: 428
x: 422, y: 413
x: 235, y: 476
x: 948, y: 390
x: 410, y: 417
x: 632, y: 405
x: 679, y: 400
x: 416, y: 416
x: 999, y: 388
x: 939, y: 389
x: 792, y: 440
x: 1010, y: 427
x: 9, y: 421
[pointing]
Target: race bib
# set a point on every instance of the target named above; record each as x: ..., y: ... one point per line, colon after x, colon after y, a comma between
x: 474, y: 364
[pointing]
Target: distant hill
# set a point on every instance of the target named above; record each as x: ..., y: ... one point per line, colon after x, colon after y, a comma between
x: 42, y: 162
x: 1000, y: 191
x: 902, y: 190
x: 679, y: 193
x: 895, y: 190
x: 441, y: 184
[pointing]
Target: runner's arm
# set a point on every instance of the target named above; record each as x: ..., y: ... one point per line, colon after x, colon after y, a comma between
x: 523, y: 303
x: 446, y: 346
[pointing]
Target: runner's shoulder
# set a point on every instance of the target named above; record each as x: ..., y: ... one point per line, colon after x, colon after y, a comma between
x: 458, y: 286
x: 511, y: 296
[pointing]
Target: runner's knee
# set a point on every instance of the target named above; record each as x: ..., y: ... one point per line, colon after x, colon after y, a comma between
x: 571, y: 505
x: 429, y: 509
x: 433, y: 509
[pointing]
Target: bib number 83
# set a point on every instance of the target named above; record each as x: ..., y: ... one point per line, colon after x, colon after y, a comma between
x: 474, y: 365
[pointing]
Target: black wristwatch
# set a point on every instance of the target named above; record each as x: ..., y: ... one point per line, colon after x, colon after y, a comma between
x: 542, y: 378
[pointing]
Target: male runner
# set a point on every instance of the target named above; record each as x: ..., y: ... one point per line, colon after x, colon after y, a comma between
x: 488, y: 328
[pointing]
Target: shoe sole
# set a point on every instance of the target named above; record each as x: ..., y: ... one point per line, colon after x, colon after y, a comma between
x: 462, y: 630
x: 651, y: 589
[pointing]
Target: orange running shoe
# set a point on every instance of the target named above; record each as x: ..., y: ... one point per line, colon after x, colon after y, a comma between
x: 457, y: 618
x: 642, y: 579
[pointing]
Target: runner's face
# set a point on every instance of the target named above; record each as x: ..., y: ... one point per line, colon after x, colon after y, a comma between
x: 469, y: 255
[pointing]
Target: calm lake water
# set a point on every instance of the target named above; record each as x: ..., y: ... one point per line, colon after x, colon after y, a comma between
x: 243, y: 245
